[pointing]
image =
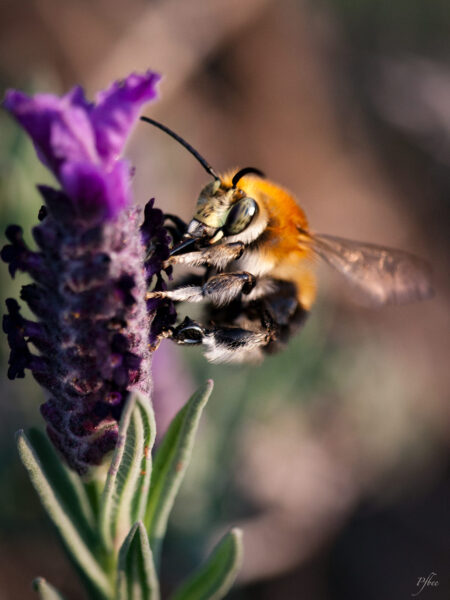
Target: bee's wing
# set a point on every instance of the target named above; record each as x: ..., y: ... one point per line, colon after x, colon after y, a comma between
x: 383, y: 275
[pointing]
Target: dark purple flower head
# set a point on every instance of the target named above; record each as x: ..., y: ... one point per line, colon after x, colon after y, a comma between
x: 96, y: 256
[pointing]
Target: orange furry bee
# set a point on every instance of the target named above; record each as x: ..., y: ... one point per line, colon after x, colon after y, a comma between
x: 258, y: 252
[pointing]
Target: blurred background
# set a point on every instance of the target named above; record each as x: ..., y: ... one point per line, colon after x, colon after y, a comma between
x: 334, y: 456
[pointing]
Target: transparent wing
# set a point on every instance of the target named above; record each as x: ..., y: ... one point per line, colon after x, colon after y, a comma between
x: 382, y: 275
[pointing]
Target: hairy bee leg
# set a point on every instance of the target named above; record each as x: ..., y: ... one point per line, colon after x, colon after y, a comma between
x: 235, y: 345
x: 223, y: 344
x: 214, y: 256
x: 220, y: 289
x: 223, y: 288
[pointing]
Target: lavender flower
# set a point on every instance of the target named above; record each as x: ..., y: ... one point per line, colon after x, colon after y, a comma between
x: 94, y: 263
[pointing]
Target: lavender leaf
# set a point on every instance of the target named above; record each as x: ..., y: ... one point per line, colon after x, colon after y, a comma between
x: 214, y: 579
x: 136, y: 575
x: 170, y: 464
x: 125, y: 493
x: 66, y: 484
x: 68, y: 530
x: 45, y: 590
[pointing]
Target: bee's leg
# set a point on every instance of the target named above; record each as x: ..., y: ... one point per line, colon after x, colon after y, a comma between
x: 223, y: 344
x: 219, y: 289
x: 213, y: 256
x: 237, y: 344
x: 260, y: 327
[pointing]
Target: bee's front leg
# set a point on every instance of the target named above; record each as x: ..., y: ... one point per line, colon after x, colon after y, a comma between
x: 220, y: 289
x: 213, y: 256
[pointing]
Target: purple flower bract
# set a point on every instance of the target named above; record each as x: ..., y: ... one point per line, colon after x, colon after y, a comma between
x: 82, y: 141
x: 96, y: 257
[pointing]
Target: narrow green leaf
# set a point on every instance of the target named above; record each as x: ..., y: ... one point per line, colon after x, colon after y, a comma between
x: 68, y: 530
x: 170, y: 464
x: 214, y: 579
x: 93, y: 488
x: 143, y: 484
x: 66, y: 483
x: 126, y: 489
x: 136, y: 575
x: 45, y: 590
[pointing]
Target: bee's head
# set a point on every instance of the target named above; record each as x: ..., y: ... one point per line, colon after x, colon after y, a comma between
x: 223, y: 209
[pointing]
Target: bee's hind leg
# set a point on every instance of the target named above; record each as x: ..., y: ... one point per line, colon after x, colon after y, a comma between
x: 258, y: 328
x: 223, y: 344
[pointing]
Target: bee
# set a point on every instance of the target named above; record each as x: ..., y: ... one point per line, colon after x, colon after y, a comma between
x: 258, y: 253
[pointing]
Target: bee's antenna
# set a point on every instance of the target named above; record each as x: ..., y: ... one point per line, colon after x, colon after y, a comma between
x: 243, y: 172
x: 188, y: 147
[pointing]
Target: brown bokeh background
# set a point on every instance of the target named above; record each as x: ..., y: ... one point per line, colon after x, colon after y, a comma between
x: 333, y: 457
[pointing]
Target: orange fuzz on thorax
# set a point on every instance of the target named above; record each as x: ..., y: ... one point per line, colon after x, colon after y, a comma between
x: 280, y: 242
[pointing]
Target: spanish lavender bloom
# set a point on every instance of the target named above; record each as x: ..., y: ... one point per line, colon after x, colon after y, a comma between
x: 94, y: 263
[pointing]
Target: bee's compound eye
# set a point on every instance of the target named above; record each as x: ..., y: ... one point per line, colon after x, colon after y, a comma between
x: 240, y: 216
